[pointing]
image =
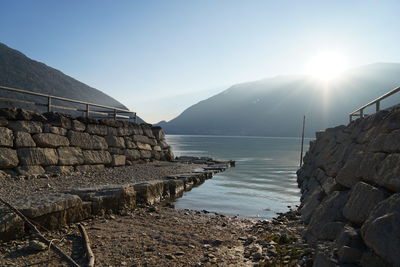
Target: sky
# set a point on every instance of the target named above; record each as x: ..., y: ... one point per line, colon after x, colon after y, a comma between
x: 160, y: 57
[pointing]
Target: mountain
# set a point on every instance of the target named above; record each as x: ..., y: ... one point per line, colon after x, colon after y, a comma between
x: 19, y: 71
x: 275, y: 106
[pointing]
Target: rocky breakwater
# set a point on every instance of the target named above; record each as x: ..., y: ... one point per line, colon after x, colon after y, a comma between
x: 350, y: 184
x: 33, y: 143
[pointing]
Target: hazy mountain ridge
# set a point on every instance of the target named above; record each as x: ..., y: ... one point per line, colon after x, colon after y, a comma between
x: 275, y: 106
x: 19, y: 71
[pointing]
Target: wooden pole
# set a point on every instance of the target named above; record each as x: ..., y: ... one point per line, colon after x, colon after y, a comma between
x: 86, y: 244
x: 302, y: 141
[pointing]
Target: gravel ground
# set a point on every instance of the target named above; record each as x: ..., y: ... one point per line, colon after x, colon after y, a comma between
x: 12, y: 189
x: 163, y: 236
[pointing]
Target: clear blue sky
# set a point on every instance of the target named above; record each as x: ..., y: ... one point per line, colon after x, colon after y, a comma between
x: 159, y: 57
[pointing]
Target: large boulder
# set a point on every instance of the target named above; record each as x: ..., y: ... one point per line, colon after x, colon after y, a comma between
x: 118, y: 160
x: 8, y: 158
x: 330, y: 210
x: 6, y: 137
x: 381, y: 231
x: 363, y: 198
x: 37, y: 156
x: 347, y: 175
x: 50, y: 140
x: 143, y: 146
x: 388, y: 175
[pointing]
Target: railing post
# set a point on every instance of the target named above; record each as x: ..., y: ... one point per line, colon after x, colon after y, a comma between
x: 351, y: 117
x: 361, y: 113
x: 378, y: 106
x: 87, y: 110
x: 48, y: 104
x: 115, y: 114
x: 134, y: 118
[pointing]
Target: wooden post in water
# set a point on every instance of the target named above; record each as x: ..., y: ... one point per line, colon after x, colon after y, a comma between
x: 302, y: 141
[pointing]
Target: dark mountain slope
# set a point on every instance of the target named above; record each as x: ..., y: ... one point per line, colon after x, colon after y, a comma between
x: 19, y: 71
x: 274, y: 107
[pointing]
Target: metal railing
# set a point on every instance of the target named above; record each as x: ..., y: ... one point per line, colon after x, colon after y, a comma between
x: 377, y: 102
x: 109, y: 112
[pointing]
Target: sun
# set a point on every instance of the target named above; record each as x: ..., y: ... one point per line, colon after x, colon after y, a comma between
x: 326, y: 65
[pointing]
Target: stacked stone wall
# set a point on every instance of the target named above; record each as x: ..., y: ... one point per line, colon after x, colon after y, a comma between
x: 350, y: 184
x: 34, y: 144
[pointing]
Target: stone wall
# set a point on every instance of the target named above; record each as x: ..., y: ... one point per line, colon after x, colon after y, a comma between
x: 33, y: 143
x: 350, y: 184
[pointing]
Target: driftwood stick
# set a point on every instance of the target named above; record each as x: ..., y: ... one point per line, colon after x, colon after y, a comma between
x: 55, y: 248
x: 86, y: 244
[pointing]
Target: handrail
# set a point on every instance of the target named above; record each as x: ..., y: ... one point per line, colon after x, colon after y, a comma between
x: 376, y: 102
x: 109, y: 110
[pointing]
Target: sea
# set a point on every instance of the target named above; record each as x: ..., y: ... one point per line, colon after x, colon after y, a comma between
x: 262, y: 184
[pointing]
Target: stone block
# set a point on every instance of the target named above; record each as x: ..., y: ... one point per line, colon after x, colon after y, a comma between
x: 23, y: 139
x: 158, y: 132
x: 349, y: 255
x: 363, y: 199
x: 156, y: 155
x: 381, y: 230
x: 50, y: 140
x: 140, y: 138
x: 96, y: 157
x: 143, y: 146
x: 6, y: 137
x: 118, y: 160
x: 3, y: 122
x: 150, y: 192
x: 8, y: 158
x: 116, y: 198
x: 78, y: 126
x: 87, y: 141
x: 30, y: 170
x: 176, y: 187
x: 36, y: 205
x: 59, y: 120
x: 116, y: 151
x: 37, y: 156
x: 114, y: 141
x: 89, y: 168
x: 157, y: 148
x: 147, y: 130
x: 70, y: 156
x: 8, y: 113
x: 11, y: 226
x: 59, y: 169
x: 48, y: 128
x: 168, y: 155
x: 129, y: 143
x: 132, y: 154
x: 97, y: 129
x: 26, y: 126
x: 145, y: 154
x: 369, y: 166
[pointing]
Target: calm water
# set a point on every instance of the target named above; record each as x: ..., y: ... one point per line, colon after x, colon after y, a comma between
x: 262, y: 183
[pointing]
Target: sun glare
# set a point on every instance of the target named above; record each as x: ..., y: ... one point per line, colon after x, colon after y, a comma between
x: 326, y: 65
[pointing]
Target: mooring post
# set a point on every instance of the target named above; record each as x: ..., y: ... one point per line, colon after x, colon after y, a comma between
x: 302, y: 141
